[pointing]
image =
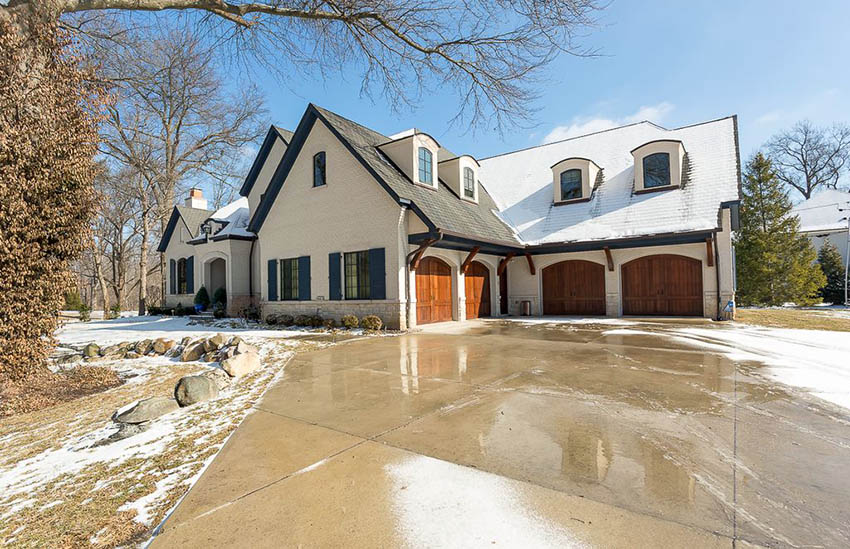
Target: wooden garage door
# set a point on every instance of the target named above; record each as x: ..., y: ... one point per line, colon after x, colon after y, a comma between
x: 574, y: 288
x: 433, y: 291
x: 477, y: 283
x: 663, y: 285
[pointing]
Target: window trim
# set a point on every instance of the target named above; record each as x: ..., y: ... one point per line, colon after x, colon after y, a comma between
x: 467, y: 171
x: 293, y: 287
x: 669, y: 171
x: 427, y: 160
x: 324, y: 169
x: 580, y: 185
x: 182, y: 276
x: 361, y: 280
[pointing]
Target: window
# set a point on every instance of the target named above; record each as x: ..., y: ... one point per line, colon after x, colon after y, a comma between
x: 319, y: 169
x: 570, y: 184
x: 468, y: 183
x: 182, y: 284
x: 289, y: 279
x: 357, y: 275
x: 426, y: 170
x: 656, y: 170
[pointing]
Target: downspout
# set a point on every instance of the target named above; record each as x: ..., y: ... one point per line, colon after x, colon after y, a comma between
x: 717, y: 275
x: 251, y: 271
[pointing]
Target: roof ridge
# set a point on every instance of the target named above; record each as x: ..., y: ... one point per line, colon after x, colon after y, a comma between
x: 703, y: 123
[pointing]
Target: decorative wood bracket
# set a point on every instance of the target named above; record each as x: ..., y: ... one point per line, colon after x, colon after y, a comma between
x: 417, y: 256
x: 609, y: 257
x: 468, y: 261
x: 503, y: 264
x: 531, y: 268
x: 709, y: 251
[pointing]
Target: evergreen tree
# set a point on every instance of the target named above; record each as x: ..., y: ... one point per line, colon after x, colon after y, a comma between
x: 775, y: 263
x: 833, y: 269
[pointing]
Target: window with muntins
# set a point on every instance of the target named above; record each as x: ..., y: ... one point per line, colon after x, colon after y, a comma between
x: 426, y: 166
x: 570, y: 184
x: 468, y: 183
x: 319, y: 169
x: 357, y: 275
x: 182, y: 284
x: 289, y: 279
x: 656, y: 170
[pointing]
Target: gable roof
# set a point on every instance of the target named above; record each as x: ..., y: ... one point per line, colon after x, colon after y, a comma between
x: 439, y: 209
x: 820, y: 212
x: 521, y: 183
x: 190, y: 217
x: 268, y: 142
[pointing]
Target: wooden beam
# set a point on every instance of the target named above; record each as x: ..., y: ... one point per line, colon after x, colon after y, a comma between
x: 417, y: 257
x: 609, y: 257
x: 709, y: 251
x: 468, y: 261
x: 531, y: 268
x: 503, y: 264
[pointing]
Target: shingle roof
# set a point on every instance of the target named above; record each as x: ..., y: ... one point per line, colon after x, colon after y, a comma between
x: 821, y: 213
x: 521, y: 183
x: 442, y: 206
x: 191, y: 219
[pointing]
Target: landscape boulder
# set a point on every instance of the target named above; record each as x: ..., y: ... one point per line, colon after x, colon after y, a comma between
x: 143, y: 347
x: 219, y: 377
x: 148, y: 409
x: 132, y: 354
x: 91, y: 350
x: 193, y: 351
x: 214, y: 343
x: 193, y: 389
x: 243, y: 347
x: 162, y: 346
x: 241, y: 364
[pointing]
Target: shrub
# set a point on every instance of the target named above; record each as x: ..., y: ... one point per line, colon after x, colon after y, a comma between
x: 371, y: 322
x: 329, y: 324
x: 350, y: 321
x: 251, y: 312
x: 286, y: 320
x: 220, y: 296
x: 272, y: 319
x: 73, y: 301
x: 316, y: 321
x: 220, y: 311
x: 302, y: 320
x: 202, y: 298
x: 114, y: 311
x: 85, y: 312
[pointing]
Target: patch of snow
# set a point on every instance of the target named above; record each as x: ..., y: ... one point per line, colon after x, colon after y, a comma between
x: 821, y: 212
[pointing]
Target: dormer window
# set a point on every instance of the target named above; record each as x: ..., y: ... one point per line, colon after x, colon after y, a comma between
x: 656, y: 170
x: 658, y: 165
x: 571, y: 184
x: 426, y: 166
x: 574, y: 179
x: 319, y: 172
x: 468, y: 183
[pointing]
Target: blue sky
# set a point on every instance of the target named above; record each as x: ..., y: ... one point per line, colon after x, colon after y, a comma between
x: 675, y: 63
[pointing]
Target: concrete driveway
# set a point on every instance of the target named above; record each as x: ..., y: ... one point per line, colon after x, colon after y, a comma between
x: 508, y: 434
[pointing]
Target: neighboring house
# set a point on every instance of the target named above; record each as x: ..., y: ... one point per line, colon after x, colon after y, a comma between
x: 821, y: 220
x: 635, y: 220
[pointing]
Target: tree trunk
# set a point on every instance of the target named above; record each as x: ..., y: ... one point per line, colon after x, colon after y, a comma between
x: 143, y: 253
x: 98, y: 271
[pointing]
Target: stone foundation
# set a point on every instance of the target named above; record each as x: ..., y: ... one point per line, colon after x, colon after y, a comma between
x: 390, y: 312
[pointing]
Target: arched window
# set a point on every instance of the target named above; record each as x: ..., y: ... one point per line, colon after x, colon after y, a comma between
x: 656, y: 170
x: 570, y: 184
x: 319, y: 169
x: 426, y: 170
x: 468, y: 183
x: 182, y: 285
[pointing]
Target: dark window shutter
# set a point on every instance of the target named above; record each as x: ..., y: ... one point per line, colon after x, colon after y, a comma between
x: 173, y: 271
x: 377, y: 274
x: 272, y: 279
x: 334, y: 276
x: 190, y: 275
x: 304, y: 278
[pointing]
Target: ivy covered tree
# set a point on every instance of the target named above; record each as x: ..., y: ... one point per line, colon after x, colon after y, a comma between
x: 776, y: 264
x: 833, y: 269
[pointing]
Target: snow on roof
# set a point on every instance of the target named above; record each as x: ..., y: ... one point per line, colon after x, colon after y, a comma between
x: 521, y: 184
x: 820, y: 212
x: 236, y: 215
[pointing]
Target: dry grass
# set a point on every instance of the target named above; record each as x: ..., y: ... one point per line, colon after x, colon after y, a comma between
x: 85, y: 508
x: 806, y: 319
x: 51, y: 388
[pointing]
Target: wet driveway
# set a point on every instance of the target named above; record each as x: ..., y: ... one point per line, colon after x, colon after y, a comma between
x: 509, y: 434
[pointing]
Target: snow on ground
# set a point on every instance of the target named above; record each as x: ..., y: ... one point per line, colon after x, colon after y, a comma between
x: 135, y: 328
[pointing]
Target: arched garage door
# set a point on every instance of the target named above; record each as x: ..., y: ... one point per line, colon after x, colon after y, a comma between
x: 574, y: 287
x: 433, y: 291
x: 477, y: 285
x: 662, y: 285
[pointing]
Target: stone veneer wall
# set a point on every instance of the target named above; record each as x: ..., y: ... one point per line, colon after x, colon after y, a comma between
x: 391, y: 312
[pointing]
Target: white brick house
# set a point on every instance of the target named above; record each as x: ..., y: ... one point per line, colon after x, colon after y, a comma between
x: 336, y: 218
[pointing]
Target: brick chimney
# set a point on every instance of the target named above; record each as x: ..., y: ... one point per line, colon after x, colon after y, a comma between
x: 196, y: 199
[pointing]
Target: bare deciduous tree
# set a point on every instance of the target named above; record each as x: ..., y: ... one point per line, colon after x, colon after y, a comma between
x: 807, y: 157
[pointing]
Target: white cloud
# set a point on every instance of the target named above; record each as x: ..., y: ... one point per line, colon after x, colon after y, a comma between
x: 581, y: 125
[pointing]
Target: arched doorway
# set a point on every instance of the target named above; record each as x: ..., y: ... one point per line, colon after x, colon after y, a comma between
x: 477, y: 285
x: 574, y: 287
x: 217, y: 276
x: 433, y: 291
x: 663, y: 285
